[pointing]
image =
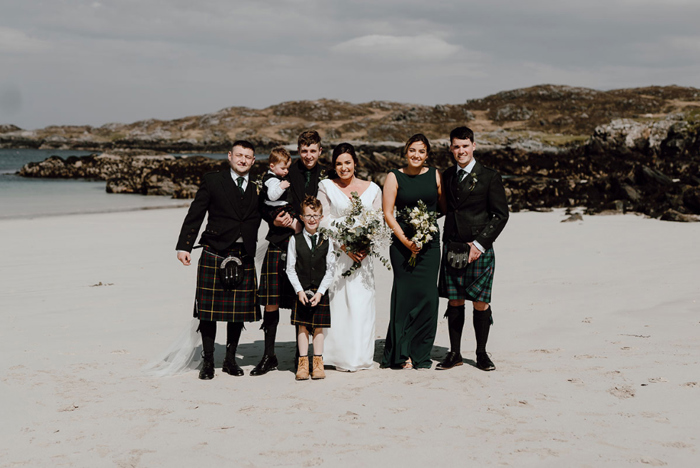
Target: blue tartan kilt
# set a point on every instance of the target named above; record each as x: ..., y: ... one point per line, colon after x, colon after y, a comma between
x: 212, y: 302
x: 472, y: 283
x: 275, y: 288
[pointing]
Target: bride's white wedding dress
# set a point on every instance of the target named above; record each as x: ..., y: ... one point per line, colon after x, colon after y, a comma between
x: 349, y: 342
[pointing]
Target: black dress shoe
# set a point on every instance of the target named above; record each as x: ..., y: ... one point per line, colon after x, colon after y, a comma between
x: 451, y: 360
x: 232, y: 368
x: 207, y: 371
x: 484, y: 363
x: 266, y: 364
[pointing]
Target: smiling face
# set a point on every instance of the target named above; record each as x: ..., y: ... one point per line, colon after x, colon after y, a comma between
x: 345, y: 167
x: 463, y: 151
x: 309, y: 154
x: 311, y: 218
x: 241, y: 159
x: 416, y: 154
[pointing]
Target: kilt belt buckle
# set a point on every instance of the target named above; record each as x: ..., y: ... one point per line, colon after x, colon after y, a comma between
x: 231, y: 272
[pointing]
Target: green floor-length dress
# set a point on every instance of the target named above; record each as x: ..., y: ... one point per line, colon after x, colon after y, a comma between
x: 414, y: 295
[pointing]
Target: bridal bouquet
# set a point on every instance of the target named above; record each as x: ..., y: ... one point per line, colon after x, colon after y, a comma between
x: 424, y: 224
x: 362, y: 230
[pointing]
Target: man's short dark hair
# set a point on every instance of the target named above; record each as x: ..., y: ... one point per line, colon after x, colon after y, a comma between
x: 243, y: 144
x: 308, y: 138
x: 462, y: 133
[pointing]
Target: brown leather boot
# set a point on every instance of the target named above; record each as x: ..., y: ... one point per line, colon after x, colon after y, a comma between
x: 318, y: 373
x: 303, y: 368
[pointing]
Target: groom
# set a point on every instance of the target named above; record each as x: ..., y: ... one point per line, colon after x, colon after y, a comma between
x: 275, y: 289
x: 230, y: 200
x: 477, y: 212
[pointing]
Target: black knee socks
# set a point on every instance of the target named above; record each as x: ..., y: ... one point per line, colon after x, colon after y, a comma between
x: 482, y: 322
x: 208, y: 330
x: 455, y: 324
x: 270, y: 321
x: 233, y: 334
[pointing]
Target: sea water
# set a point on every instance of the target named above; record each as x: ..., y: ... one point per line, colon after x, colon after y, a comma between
x: 24, y: 197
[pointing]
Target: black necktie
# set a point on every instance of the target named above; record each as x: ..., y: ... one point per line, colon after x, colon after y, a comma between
x: 313, y: 243
x: 240, y: 184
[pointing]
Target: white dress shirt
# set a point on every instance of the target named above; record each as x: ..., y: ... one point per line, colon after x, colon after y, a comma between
x: 467, y: 170
x: 274, y: 192
x: 235, y: 176
x: 292, y: 262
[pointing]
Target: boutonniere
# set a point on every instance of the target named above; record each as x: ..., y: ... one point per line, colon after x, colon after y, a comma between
x: 323, y: 176
x: 473, y: 182
x: 258, y: 182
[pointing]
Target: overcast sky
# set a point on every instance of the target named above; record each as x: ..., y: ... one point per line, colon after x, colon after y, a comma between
x: 94, y: 62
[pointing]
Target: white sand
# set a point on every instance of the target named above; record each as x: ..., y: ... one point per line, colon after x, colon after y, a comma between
x: 596, y: 340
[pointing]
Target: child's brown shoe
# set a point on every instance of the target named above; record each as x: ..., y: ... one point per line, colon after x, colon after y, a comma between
x: 318, y: 372
x: 303, y: 368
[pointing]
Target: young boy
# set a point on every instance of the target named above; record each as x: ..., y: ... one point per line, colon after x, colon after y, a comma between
x: 275, y: 184
x: 275, y: 290
x: 310, y: 263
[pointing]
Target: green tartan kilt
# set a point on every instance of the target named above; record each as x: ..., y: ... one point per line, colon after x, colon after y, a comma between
x: 275, y: 288
x: 472, y: 283
x: 215, y: 304
x: 312, y: 317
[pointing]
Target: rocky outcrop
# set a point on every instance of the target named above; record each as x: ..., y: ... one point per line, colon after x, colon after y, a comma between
x: 552, y: 115
x: 646, y: 167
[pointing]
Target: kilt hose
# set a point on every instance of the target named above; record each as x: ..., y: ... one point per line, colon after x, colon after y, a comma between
x: 312, y: 317
x: 215, y: 304
x: 473, y: 283
x: 275, y: 288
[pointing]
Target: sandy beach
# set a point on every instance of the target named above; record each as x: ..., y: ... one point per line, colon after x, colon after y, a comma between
x: 596, y: 343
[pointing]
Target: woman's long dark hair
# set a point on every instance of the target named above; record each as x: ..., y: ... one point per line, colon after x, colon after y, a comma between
x: 342, y: 148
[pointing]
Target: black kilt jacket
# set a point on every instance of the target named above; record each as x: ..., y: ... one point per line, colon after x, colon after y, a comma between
x: 296, y: 193
x: 479, y: 214
x: 231, y: 215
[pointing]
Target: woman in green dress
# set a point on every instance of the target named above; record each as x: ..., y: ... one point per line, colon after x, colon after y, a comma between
x: 414, y: 295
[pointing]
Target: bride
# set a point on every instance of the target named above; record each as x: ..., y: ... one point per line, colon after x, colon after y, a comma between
x: 349, y: 343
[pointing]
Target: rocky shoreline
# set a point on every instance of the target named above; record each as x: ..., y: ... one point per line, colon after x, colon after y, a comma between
x: 627, y: 166
x: 624, y: 150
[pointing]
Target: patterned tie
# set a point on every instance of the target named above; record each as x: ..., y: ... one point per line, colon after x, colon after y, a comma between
x: 307, y: 175
x: 313, y: 243
x: 462, y: 175
x: 240, y: 184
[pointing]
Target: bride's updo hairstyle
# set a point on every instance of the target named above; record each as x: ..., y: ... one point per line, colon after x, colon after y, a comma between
x: 417, y: 137
x: 342, y: 148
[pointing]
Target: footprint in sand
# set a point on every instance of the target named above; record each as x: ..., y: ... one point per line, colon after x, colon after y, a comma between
x: 622, y: 392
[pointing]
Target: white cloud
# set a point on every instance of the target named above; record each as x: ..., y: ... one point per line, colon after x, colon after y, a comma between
x: 13, y: 41
x: 398, y: 47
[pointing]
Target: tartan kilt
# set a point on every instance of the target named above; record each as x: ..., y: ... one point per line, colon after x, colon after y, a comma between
x: 275, y: 288
x: 312, y: 317
x: 215, y: 304
x: 473, y: 283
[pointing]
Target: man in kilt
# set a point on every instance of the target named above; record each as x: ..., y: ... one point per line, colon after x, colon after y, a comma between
x: 230, y: 200
x: 477, y: 212
x: 275, y: 290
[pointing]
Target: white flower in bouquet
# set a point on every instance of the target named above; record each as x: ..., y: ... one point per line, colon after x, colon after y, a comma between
x: 423, y: 222
x: 362, y: 230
